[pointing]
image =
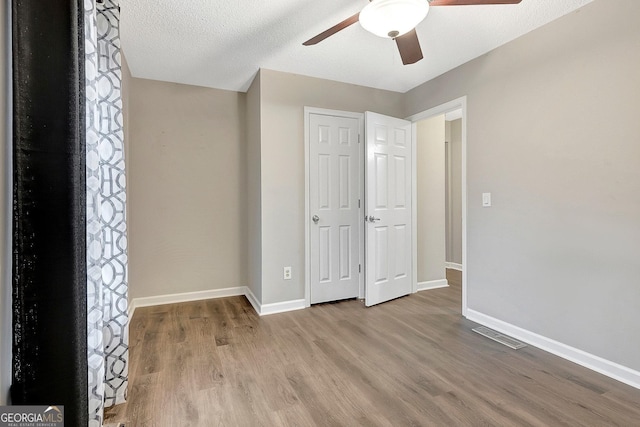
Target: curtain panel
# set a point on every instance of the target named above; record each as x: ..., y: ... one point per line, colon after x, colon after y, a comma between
x: 107, y: 288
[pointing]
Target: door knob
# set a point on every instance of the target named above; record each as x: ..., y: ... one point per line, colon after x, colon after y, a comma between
x: 372, y: 219
x: 315, y: 219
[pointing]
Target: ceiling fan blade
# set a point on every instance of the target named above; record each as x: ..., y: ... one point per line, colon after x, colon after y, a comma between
x: 409, y: 47
x: 331, y: 31
x: 470, y: 2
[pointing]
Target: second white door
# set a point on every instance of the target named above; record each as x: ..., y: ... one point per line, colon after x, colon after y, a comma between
x: 388, y: 196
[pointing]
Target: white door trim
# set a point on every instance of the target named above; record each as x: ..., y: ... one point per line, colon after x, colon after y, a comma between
x: 460, y: 103
x: 307, y: 223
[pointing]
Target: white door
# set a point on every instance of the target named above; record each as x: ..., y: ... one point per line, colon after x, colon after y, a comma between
x: 388, y: 210
x: 334, y: 193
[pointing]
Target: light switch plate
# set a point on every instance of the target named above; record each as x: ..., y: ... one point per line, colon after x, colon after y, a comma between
x: 486, y: 200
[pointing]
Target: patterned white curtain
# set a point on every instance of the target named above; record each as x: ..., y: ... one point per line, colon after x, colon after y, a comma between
x: 107, y: 289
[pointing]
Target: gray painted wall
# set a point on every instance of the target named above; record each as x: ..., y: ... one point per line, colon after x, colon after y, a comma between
x: 283, y: 98
x: 211, y: 202
x: 453, y: 205
x: 430, y: 221
x: 553, y: 132
x: 254, y: 190
x: 187, y: 188
x: 6, y: 332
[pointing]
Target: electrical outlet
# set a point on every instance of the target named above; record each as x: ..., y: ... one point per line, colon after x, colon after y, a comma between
x: 286, y: 273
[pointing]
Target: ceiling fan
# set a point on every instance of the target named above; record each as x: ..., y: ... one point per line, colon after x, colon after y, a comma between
x: 397, y: 20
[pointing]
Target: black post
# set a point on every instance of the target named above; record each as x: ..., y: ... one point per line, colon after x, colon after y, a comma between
x: 49, y: 254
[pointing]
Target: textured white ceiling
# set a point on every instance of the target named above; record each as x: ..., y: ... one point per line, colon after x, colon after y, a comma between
x: 223, y: 43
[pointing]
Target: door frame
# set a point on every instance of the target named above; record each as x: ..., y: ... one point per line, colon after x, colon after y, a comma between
x: 459, y: 103
x: 307, y: 211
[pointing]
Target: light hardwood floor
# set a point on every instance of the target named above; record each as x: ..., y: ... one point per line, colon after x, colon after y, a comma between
x: 413, y: 361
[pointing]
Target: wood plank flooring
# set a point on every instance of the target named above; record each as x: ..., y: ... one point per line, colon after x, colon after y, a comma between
x: 413, y: 361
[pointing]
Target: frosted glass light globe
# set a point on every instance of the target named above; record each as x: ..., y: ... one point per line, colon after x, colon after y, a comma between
x: 393, y: 18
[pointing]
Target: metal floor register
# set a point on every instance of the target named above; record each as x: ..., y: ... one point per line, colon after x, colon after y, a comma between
x: 498, y: 337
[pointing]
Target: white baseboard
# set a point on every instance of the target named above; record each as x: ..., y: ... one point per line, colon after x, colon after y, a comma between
x: 596, y: 363
x: 131, y: 308
x: 261, y: 309
x: 432, y: 284
x: 188, y: 296
x: 278, y: 307
x: 453, y: 266
x: 281, y: 307
x: 252, y: 300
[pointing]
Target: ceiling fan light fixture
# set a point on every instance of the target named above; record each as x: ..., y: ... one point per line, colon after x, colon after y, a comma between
x: 393, y: 18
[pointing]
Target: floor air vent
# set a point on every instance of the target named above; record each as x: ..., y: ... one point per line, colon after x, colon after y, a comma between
x: 498, y: 337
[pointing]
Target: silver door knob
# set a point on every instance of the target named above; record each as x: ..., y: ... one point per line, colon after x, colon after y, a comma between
x: 315, y: 219
x: 372, y: 219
